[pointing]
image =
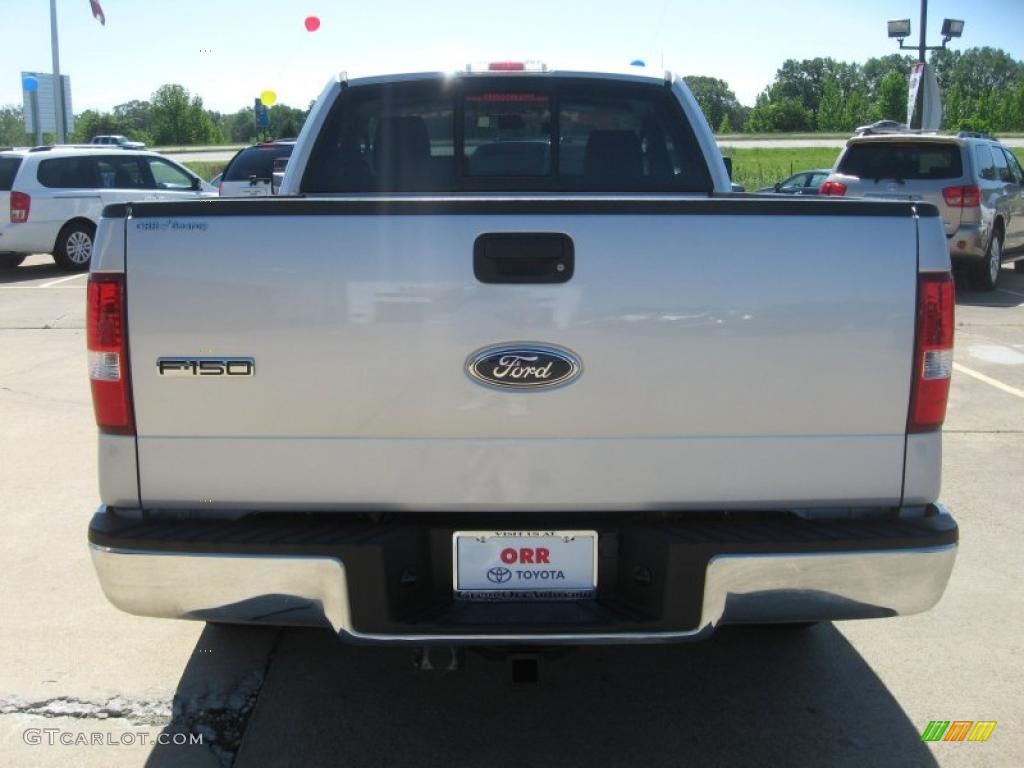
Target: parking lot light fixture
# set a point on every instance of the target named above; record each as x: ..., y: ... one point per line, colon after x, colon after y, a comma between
x: 900, y: 29
x: 951, y: 28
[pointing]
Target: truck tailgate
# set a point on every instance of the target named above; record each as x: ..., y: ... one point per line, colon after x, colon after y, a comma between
x: 733, y: 355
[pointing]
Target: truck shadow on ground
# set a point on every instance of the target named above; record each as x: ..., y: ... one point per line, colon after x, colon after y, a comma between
x: 758, y: 696
x: 28, y: 272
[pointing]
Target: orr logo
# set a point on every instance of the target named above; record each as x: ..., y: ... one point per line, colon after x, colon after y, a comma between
x: 526, y: 556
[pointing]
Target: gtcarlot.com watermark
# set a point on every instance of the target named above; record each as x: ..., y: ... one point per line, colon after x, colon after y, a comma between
x: 60, y: 736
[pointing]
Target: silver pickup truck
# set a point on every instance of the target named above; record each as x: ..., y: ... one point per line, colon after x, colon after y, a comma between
x: 508, y: 363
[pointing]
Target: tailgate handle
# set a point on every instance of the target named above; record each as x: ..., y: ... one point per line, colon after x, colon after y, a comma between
x: 516, y: 257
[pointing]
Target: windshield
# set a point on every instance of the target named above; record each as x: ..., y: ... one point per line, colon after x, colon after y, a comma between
x: 902, y: 162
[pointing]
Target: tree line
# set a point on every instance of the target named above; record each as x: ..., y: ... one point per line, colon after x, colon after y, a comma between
x: 982, y: 89
x: 171, y: 116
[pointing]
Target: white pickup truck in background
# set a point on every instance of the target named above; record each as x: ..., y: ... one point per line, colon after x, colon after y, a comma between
x: 507, y: 362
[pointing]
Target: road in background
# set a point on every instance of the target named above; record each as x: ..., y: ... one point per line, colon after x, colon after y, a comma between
x: 844, y: 694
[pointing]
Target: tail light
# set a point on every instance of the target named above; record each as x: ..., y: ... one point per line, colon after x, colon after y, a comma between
x: 107, y: 340
x: 21, y: 204
x: 968, y: 196
x: 933, y: 362
x: 832, y: 189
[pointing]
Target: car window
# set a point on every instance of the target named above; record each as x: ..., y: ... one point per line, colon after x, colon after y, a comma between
x: 817, y: 179
x: 983, y: 159
x: 1002, y: 169
x: 8, y: 170
x: 902, y: 161
x: 167, y: 176
x: 256, y: 161
x: 626, y: 138
x: 1015, y: 170
x: 510, y: 134
x: 120, y: 173
x: 797, y: 180
x: 507, y: 133
x: 68, y: 173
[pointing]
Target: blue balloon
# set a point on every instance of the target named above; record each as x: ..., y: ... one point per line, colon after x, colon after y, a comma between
x: 30, y: 84
x: 637, y: 63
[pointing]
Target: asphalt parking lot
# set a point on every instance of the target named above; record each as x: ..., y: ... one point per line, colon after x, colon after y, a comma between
x: 845, y: 694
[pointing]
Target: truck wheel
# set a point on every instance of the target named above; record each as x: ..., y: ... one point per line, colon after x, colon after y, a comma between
x: 986, y: 274
x: 74, y: 246
x: 10, y: 260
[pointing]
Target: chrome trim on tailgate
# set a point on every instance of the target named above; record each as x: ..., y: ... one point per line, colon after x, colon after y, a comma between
x: 313, y: 591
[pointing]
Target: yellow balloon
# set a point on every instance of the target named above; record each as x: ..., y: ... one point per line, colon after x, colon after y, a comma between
x: 268, y: 97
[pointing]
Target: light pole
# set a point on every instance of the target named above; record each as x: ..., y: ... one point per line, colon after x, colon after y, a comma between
x: 900, y: 29
x: 58, y: 84
x: 927, y: 112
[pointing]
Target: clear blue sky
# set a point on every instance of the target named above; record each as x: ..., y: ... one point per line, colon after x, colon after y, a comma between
x: 262, y: 44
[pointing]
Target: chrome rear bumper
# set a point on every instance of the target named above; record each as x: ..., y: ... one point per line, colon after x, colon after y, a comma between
x: 308, y: 590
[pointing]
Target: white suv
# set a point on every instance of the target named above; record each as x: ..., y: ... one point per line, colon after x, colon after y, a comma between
x: 56, y: 195
x: 118, y: 141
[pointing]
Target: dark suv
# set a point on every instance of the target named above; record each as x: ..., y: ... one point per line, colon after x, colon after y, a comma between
x: 251, y: 172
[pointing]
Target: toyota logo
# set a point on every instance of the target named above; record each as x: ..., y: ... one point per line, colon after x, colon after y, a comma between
x: 499, y: 575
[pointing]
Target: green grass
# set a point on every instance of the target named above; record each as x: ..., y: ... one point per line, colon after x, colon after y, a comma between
x: 759, y: 167
x: 204, y: 168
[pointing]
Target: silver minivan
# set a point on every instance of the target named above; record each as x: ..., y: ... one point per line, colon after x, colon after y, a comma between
x: 976, y: 182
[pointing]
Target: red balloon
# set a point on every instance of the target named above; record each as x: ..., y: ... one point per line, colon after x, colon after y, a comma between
x: 312, y: 23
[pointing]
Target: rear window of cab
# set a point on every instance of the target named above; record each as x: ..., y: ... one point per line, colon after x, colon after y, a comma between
x: 506, y: 134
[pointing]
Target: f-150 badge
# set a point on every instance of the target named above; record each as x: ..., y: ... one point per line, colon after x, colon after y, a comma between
x: 523, y: 366
x: 206, y: 366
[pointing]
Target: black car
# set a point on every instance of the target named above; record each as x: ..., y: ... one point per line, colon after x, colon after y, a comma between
x: 803, y: 183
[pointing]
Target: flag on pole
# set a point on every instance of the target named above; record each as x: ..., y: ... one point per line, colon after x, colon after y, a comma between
x: 97, y: 12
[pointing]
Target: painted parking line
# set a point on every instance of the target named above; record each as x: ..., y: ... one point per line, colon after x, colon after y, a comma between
x: 989, y: 380
x: 1011, y: 293
x: 63, y: 280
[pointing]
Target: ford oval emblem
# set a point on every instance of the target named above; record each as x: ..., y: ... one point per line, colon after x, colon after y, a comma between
x: 523, y: 366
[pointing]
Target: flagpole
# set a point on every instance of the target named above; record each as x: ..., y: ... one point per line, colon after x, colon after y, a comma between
x: 58, y: 84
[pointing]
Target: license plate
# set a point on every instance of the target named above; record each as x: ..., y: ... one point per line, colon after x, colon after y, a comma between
x: 524, y: 565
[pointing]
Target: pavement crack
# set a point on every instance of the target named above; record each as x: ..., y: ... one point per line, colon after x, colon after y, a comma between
x: 228, y: 763
x: 42, y: 398
x: 135, y: 711
x: 221, y: 717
